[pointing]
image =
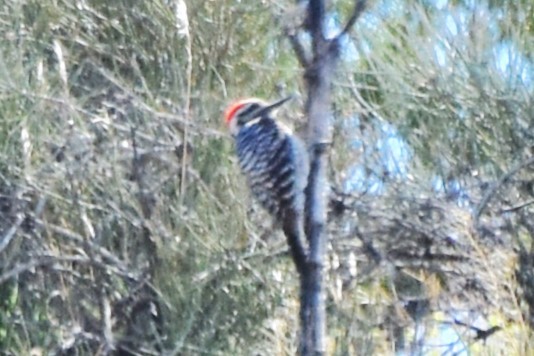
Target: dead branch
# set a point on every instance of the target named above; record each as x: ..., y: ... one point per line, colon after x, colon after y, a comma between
x: 359, y: 8
x: 490, y: 193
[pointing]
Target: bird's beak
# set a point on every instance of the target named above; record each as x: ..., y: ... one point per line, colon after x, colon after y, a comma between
x: 267, y: 109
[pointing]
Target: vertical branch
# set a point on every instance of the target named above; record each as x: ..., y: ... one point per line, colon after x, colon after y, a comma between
x: 319, y: 73
x: 182, y: 23
x: 318, y: 78
x: 315, y: 23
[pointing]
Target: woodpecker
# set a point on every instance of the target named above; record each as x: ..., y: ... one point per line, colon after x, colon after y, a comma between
x: 275, y: 163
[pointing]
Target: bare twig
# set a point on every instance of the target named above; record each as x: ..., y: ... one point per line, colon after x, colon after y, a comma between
x: 292, y: 23
x: 107, y: 329
x: 79, y: 239
x: 359, y: 8
x: 48, y: 260
x: 10, y: 234
x: 187, y: 104
x: 299, y: 50
x: 480, y: 334
x: 490, y: 193
x: 517, y: 207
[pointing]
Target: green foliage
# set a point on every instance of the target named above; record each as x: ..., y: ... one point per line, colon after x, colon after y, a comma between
x: 442, y: 88
x: 120, y: 240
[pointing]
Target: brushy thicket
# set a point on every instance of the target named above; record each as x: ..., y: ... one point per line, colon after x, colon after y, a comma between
x: 125, y: 225
x: 104, y: 236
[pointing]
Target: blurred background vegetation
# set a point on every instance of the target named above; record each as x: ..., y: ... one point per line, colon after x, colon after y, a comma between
x: 124, y: 225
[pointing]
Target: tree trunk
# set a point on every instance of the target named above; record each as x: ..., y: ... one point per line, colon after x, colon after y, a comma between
x: 313, y: 315
x: 319, y: 72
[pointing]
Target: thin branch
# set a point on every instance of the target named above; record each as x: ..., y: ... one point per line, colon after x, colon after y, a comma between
x: 43, y: 261
x: 490, y: 193
x: 292, y: 22
x: 480, y: 334
x: 107, y: 255
x: 359, y: 8
x: 175, y: 120
x: 517, y: 207
x: 10, y: 234
x: 299, y: 49
x: 187, y: 105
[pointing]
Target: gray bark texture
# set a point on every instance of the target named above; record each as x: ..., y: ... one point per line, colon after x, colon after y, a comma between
x: 319, y: 69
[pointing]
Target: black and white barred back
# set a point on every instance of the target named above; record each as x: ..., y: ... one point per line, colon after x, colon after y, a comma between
x: 274, y: 163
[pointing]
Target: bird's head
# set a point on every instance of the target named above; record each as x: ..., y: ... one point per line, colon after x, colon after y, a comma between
x: 242, y: 111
